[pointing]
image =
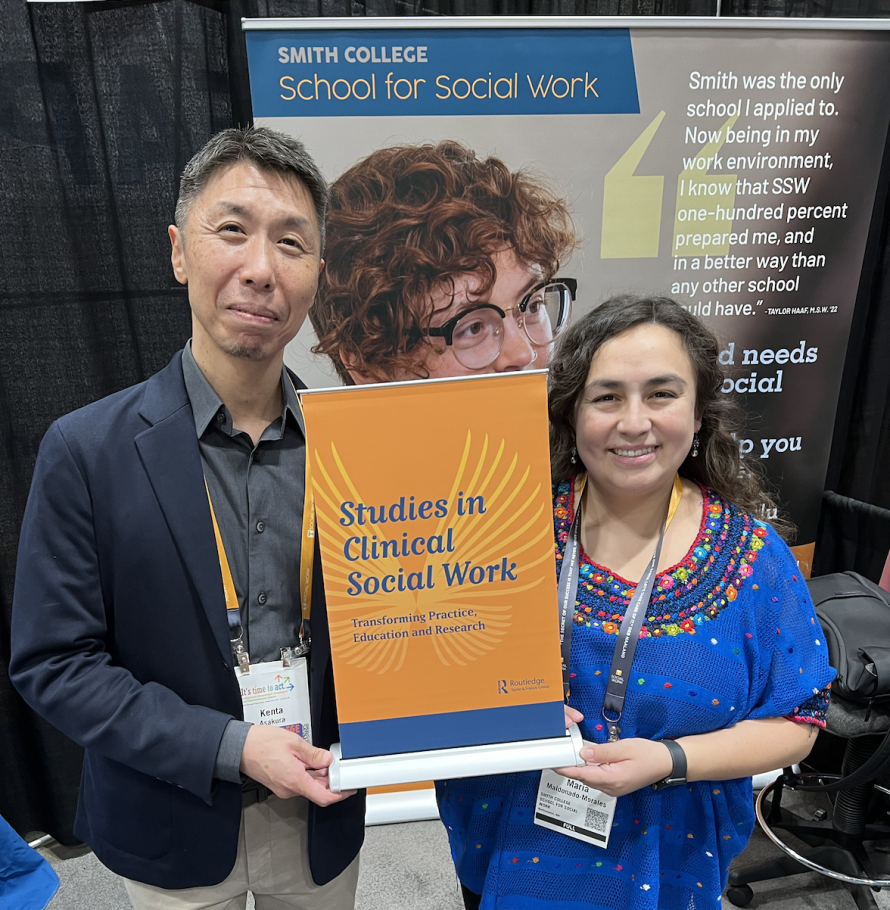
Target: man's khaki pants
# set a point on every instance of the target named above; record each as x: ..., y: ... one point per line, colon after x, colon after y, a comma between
x: 272, y: 863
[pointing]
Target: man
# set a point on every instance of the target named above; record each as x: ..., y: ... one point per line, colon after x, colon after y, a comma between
x: 120, y: 630
x: 441, y: 263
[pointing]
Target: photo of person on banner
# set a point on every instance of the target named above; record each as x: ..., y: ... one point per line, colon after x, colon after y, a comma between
x: 441, y: 263
x: 730, y: 674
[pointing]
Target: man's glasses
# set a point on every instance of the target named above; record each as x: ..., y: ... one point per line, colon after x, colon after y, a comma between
x: 477, y: 334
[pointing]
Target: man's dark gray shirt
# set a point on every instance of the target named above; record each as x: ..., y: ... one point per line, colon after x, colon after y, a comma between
x: 257, y: 493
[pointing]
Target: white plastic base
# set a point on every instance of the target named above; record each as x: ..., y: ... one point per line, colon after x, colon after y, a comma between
x: 420, y: 805
x: 467, y: 761
x: 402, y: 806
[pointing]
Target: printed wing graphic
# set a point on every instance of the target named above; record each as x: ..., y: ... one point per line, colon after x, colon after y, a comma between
x: 499, y: 529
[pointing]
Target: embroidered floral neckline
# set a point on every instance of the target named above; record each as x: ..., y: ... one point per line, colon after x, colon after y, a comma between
x: 706, y: 581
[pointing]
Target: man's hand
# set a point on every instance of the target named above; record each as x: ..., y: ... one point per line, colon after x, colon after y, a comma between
x: 288, y: 765
x: 622, y: 767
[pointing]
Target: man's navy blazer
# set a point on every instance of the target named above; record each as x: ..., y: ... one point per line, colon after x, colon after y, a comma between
x: 120, y: 640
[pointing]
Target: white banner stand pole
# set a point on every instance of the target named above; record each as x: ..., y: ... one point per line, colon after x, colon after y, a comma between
x: 467, y: 761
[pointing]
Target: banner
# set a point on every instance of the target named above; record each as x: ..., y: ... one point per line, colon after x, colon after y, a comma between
x: 731, y: 166
x: 438, y: 563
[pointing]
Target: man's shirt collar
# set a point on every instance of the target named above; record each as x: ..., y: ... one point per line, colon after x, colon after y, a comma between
x: 207, y: 405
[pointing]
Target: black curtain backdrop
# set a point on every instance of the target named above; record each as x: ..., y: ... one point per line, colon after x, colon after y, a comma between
x: 101, y: 105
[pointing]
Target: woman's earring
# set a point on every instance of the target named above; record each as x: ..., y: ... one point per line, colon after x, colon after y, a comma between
x: 574, y: 458
x: 695, y: 445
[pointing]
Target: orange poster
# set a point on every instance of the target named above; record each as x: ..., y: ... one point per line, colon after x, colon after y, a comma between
x: 436, y: 532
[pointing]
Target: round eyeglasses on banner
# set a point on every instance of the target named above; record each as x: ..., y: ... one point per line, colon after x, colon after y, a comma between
x: 477, y: 334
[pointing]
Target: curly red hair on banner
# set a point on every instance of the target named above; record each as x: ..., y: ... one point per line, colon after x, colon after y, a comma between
x: 412, y: 229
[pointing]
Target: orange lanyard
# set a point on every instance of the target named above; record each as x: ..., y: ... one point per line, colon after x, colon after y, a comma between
x: 676, y: 496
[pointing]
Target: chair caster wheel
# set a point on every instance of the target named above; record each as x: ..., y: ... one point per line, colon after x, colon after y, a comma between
x: 740, y: 895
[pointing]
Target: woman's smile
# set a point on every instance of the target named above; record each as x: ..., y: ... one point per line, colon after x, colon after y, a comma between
x: 636, y: 416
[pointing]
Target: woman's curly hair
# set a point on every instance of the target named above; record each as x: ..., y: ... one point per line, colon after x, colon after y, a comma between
x: 719, y: 465
x: 407, y: 221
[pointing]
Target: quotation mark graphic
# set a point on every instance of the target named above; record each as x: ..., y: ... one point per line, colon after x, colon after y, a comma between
x: 632, y: 205
x: 705, y: 202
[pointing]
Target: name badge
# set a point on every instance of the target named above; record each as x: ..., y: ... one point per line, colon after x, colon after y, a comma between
x: 572, y: 808
x: 275, y: 695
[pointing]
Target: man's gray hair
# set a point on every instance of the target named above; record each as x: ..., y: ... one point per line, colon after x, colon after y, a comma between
x: 268, y: 150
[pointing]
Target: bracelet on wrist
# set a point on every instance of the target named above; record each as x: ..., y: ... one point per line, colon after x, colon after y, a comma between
x: 677, y: 775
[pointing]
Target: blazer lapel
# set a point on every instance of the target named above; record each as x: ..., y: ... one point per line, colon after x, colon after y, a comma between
x: 171, y: 458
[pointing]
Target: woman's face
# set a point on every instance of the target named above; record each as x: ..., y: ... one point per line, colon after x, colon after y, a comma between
x: 514, y: 281
x: 636, y: 416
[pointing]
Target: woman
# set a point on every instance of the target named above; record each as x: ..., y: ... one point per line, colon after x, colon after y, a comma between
x: 730, y: 663
x: 441, y: 263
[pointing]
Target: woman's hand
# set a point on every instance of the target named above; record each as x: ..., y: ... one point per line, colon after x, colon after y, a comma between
x: 572, y: 716
x: 622, y: 767
x: 748, y: 748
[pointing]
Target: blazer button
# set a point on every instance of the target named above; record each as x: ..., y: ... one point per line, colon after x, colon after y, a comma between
x: 261, y: 598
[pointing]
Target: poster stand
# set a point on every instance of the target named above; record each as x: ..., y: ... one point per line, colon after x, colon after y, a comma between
x: 466, y: 761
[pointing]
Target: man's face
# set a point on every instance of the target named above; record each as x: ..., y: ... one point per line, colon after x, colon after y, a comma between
x: 250, y: 254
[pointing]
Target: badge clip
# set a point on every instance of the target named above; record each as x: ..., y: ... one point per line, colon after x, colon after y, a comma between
x: 290, y: 655
x: 241, y: 656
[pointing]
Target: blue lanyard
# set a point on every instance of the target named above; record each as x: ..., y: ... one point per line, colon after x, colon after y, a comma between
x: 628, y: 634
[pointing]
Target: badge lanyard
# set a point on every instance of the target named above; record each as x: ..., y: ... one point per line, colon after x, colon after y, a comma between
x: 307, y: 555
x: 629, y: 633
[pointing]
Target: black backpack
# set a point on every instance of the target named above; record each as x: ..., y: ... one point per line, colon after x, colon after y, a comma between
x: 855, y: 617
